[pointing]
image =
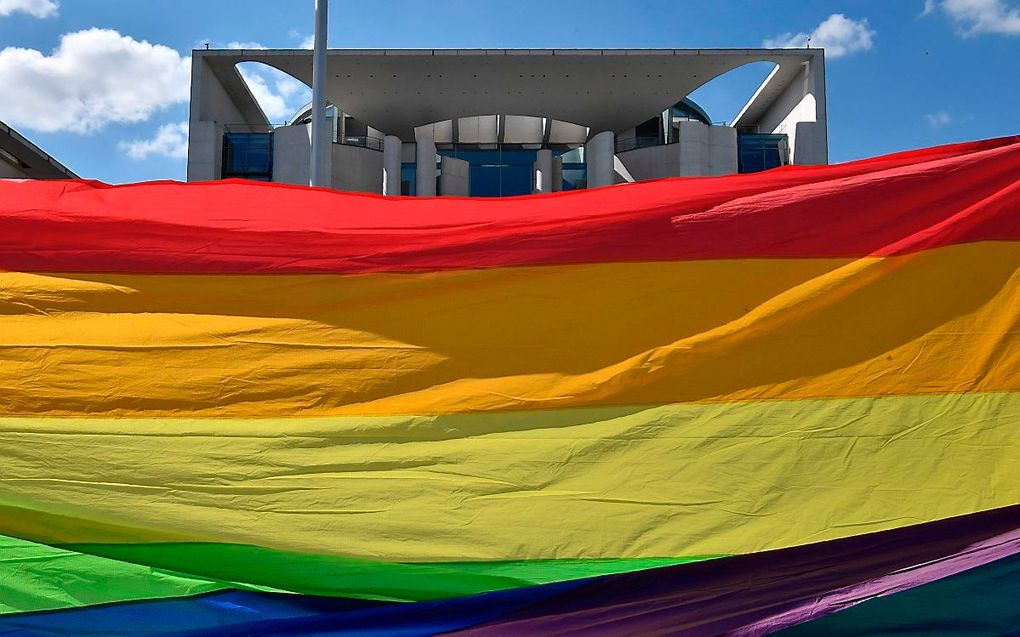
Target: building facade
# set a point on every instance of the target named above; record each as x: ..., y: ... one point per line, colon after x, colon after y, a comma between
x: 21, y: 159
x: 507, y: 122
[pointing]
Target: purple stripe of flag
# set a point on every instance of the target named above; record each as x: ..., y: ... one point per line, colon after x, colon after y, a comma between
x: 982, y: 553
x: 765, y: 592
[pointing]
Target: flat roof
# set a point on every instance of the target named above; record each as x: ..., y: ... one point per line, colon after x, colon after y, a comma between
x: 396, y: 90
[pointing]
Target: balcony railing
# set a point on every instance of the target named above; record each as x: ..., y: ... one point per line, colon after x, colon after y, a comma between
x: 364, y: 141
x: 633, y: 143
x: 374, y: 143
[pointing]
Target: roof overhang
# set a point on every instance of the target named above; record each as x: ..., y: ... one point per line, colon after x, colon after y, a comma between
x: 35, y: 163
x: 396, y: 90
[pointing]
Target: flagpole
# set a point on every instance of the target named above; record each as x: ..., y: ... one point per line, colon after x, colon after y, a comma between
x: 319, y: 141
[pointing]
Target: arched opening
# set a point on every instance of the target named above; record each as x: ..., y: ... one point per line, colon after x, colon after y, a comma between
x: 248, y: 148
x: 278, y: 94
x: 724, y: 95
x: 757, y: 150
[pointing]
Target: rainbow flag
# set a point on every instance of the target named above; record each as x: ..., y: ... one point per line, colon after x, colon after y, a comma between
x: 747, y: 404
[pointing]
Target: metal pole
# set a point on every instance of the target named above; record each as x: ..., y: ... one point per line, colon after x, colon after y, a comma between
x: 319, y: 145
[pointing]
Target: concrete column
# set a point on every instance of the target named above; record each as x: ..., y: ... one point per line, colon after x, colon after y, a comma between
x: 321, y: 142
x: 598, y: 154
x: 557, y: 174
x: 543, y: 176
x: 455, y: 179
x: 391, y: 165
x: 425, y: 168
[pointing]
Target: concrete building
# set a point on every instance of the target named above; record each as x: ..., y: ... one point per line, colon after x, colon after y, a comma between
x: 507, y: 122
x: 21, y: 159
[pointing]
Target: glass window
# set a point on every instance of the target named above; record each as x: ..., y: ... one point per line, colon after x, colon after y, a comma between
x: 648, y: 133
x: 505, y: 170
x: 687, y: 109
x: 408, y: 178
x: 500, y: 172
x: 762, y: 152
x: 575, y: 171
x: 248, y: 156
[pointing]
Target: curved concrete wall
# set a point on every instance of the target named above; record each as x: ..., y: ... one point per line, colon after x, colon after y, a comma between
x: 598, y: 154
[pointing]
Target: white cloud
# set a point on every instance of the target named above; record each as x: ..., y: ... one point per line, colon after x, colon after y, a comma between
x: 35, y: 8
x: 93, y: 78
x: 273, y: 104
x: 304, y: 41
x: 244, y: 45
x: 279, y: 94
x: 837, y: 34
x: 170, y: 140
x: 973, y: 17
x: 99, y: 77
x: 938, y: 119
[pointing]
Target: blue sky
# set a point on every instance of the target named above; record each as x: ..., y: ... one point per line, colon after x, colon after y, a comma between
x: 912, y: 73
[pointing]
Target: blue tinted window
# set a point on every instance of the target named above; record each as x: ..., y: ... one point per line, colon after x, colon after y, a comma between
x: 503, y: 172
x: 762, y: 152
x: 648, y: 133
x: 248, y: 156
x: 408, y: 179
x: 575, y: 177
x: 688, y: 109
x: 575, y: 171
